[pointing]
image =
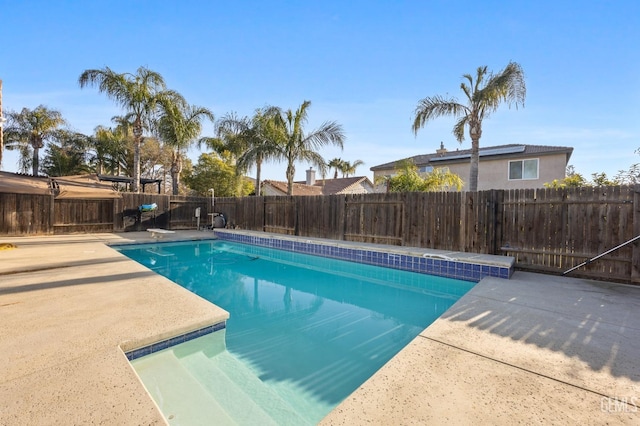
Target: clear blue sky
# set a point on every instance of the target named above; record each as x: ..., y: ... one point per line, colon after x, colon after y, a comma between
x: 364, y: 64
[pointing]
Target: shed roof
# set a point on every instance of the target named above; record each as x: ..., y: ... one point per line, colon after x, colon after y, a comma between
x: 63, y: 187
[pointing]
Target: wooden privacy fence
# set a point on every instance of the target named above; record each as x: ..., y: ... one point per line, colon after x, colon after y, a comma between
x: 546, y: 230
x: 29, y: 214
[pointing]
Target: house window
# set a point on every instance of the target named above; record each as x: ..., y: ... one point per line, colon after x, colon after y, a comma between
x: 523, y: 169
x: 425, y: 169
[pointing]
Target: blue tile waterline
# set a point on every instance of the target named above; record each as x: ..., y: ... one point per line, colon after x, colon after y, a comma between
x: 167, y: 343
x: 456, y: 269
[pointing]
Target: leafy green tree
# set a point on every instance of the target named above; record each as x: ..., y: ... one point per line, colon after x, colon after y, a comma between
x: 29, y: 130
x: 139, y: 94
x: 571, y: 180
x: 179, y: 126
x: 631, y: 176
x: 484, y: 96
x: 409, y: 179
x: 298, y: 145
x: 601, y: 179
x: 216, y: 172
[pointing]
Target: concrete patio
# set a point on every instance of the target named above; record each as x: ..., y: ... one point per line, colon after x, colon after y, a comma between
x: 536, y: 349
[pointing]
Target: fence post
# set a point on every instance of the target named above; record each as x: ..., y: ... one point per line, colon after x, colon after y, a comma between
x: 635, y: 248
x: 52, y: 215
x: 463, y: 222
x: 497, y: 197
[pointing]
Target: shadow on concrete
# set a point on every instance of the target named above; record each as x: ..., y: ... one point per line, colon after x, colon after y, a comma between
x: 66, y: 264
x: 596, y: 322
x: 75, y: 282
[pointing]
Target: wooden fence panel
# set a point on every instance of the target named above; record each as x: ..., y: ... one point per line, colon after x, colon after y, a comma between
x: 243, y: 213
x: 280, y: 215
x: 134, y: 220
x: 80, y: 215
x: 635, y: 249
x: 445, y: 217
x: 25, y: 214
x: 182, y: 212
x: 321, y: 216
x: 554, y: 230
x: 374, y: 218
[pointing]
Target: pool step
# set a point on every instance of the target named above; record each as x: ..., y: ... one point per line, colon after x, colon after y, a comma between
x: 231, y: 383
x: 180, y: 396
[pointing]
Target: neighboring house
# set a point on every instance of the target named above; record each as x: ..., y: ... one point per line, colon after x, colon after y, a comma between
x: 351, y: 185
x: 501, y: 167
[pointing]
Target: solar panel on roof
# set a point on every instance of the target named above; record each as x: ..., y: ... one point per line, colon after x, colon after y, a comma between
x: 502, y: 150
x: 483, y: 153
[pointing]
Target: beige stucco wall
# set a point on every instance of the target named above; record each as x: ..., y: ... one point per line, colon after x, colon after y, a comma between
x: 360, y: 188
x: 494, y: 173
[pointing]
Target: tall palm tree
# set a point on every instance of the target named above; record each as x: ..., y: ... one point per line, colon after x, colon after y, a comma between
x: 29, y: 130
x: 484, y: 95
x: 252, y: 139
x: 179, y: 126
x: 297, y: 145
x: 350, y: 169
x: 139, y: 94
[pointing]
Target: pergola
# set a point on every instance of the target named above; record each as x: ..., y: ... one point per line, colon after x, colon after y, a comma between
x: 129, y: 181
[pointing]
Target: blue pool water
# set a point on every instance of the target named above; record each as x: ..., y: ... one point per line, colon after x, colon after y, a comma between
x: 309, y: 330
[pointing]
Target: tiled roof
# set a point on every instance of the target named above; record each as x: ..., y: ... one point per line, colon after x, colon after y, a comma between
x: 485, y: 152
x: 321, y: 187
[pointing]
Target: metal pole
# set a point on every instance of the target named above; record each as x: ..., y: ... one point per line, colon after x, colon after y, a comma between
x: 212, y: 202
x: 600, y: 255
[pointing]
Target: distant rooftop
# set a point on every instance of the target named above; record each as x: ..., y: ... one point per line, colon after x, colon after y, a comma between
x: 511, y: 150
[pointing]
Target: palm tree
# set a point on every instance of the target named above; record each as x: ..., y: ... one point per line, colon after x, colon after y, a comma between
x: 484, y: 96
x: 138, y: 94
x: 336, y: 164
x: 179, y: 125
x: 296, y: 145
x: 350, y: 169
x: 253, y: 139
x: 29, y: 130
x: 68, y: 157
x: 109, y: 147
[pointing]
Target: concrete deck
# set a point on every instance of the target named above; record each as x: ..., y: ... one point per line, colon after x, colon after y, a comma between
x: 535, y: 349
x: 67, y: 306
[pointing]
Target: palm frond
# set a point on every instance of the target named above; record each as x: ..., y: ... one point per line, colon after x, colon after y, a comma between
x: 436, y: 106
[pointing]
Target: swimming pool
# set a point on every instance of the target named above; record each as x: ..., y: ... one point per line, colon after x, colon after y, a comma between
x: 304, y: 332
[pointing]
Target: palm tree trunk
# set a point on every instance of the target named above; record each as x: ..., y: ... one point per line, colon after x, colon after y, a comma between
x: 475, y: 161
x: 137, y: 141
x: 291, y: 171
x: 36, y: 161
x: 176, y: 168
x: 258, y: 167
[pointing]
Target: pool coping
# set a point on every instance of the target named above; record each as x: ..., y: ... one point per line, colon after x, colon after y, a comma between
x: 451, y: 264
